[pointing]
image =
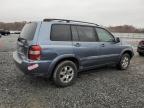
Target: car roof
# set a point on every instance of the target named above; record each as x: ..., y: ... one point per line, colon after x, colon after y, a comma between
x: 65, y: 21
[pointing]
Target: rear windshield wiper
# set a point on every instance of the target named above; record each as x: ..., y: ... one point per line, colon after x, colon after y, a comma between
x: 22, y: 40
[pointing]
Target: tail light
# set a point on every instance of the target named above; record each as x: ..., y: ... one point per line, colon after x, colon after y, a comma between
x: 34, y: 52
x: 141, y: 43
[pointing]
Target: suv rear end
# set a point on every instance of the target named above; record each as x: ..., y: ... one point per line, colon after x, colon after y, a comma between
x: 28, y: 54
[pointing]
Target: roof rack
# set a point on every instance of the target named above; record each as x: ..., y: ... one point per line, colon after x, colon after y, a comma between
x: 69, y: 21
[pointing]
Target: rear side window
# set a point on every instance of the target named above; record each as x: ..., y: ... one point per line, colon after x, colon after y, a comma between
x: 28, y: 31
x: 60, y: 32
x: 86, y: 33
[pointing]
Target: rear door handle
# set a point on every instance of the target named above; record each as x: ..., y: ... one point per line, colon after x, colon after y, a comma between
x: 77, y: 44
x: 102, y: 45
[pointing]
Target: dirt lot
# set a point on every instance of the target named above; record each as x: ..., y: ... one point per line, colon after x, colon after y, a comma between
x: 100, y: 88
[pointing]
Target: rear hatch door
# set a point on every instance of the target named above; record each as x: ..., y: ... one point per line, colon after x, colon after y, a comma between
x: 25, y: 39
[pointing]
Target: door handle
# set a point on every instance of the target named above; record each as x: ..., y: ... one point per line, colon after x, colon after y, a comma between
x: 77, y: 45
x: 102, y: 45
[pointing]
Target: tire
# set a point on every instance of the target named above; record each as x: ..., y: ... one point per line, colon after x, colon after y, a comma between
x: 124, y: 62
x: 141, y: 54
x: 65, y: 74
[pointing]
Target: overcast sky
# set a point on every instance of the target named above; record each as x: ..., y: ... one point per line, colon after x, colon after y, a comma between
x: 103, y: 12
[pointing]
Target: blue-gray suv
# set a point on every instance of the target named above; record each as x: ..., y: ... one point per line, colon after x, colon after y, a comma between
x: 59, y: 49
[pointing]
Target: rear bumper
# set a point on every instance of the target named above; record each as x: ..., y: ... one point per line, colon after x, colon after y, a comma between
x: 23, y: 65
x: 140, y: 49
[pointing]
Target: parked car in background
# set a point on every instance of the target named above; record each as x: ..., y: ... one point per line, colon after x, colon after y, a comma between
x: 59, y: 49
x: 140, y: 48
x: 7, y: 32
x: 4, y: 32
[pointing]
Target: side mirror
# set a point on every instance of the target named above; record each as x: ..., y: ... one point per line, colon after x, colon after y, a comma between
x: 117, y: 39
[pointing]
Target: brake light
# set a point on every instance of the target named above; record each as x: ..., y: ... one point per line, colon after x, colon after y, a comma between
x: 34, y: 52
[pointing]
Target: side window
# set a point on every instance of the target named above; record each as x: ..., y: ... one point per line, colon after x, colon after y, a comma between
x: 104, y: 36
x: 84, y: 33
x: 60, y: 32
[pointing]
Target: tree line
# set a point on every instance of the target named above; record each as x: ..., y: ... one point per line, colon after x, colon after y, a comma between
x: 15, y: 26
x: 126, y: 29
x: 120, y: 29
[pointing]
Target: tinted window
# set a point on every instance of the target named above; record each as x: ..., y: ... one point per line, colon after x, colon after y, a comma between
x: 74, y: 33
x: 61, y: 33
x: 86, y: 34
x: 104, y: 36
x: 28, y: 31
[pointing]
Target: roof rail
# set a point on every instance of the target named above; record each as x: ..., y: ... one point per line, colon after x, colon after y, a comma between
x: 69, y: 21
x: 56, y: 19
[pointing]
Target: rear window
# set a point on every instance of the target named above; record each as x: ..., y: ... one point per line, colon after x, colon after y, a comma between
x: 60, y: 33
x: 28, y: 31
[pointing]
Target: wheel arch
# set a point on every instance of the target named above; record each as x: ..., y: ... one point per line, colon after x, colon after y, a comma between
x: 59, y: 60
x: 128, y: 52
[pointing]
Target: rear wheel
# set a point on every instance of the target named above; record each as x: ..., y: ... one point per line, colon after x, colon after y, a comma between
x: 65, y: 74
x: 124, y: 62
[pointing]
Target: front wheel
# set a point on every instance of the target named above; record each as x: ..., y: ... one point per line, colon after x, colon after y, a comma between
x: 65, y: 74
x: 124, y: 62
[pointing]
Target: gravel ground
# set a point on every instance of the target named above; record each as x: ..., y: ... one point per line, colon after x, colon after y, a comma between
x: 100, y: 88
